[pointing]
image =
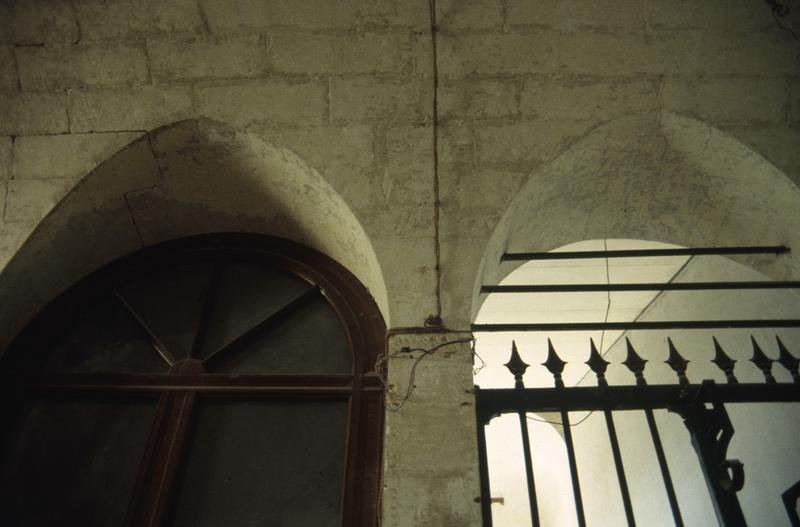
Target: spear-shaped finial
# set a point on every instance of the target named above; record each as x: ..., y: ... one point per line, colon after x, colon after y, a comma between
x: 554, y: 364
x: 597, y: 364
x: 788, y: 361
x: 635, y: 363
x: 516, y: 366
x: 761, y: 361
x: 724, y: 362
x: 677, y: 363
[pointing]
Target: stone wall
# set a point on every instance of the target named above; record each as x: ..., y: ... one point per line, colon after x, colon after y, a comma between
x: 348, y: 88
x: 348, y: 85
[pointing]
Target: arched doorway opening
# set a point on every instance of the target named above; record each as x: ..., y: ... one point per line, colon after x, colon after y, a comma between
x: 765, y: 434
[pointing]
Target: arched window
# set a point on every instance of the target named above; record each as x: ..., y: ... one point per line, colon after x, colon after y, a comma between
x: 215, y: 380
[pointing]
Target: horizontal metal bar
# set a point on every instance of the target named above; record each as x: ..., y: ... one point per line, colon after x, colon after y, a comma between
x: 638, y: 325
x: 150, y: 388
x: 261, y: 384
x: 638, y: 253
x: 584, y: 398
x: 670, y: 286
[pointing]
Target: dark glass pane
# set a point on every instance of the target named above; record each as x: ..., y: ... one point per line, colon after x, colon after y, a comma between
x: 311, y: 341
x: 248, y: 294
x: 105, y: 338
x: 171, y: 304
x: 72, y: 462
x: 264, y: 463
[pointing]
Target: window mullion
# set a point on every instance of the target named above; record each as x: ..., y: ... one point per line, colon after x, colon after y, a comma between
x: 159, y: 467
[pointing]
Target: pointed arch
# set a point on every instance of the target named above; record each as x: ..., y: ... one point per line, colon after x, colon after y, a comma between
x: 191, y: 177
x: 655, y: 176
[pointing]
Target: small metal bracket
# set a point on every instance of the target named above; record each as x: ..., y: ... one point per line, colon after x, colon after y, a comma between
x: 711, y: 432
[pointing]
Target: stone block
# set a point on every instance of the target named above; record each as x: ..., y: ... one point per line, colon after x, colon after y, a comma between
x: 779, y: 144
x: 468, y: 189
x: 490, y: 54
x: 264, y: 103
x: 59, y: 67
x: 29, y: 200
x: 33, y: 113
x: 5, y: 158
x: 636, y: 14
x: 727, y: 100
x: 407, y: 171
x: 365, y: 99
x: 131, y: 169
x: 716, y: 15
x: 427, y: 486
x: 159, y: 217
x: 794, y: 101
x: 131, y: 19
x: 44, y: 22
x: 407, y: 222
x: 142, y: 108
x: 372, y: 52
x: 702, y: 53
x: 478, y: 98
x: 456, y: 143
x: 12, y: 236
x: 422, y: 51
x: 476, y: 224
x: 206, y: 58
x: 258, y: 15
x: 443, y: 378
x: 414, y: 14
x: 455, y: 15
x: 344, y: 155
x: 461, y: 258
x: 6, y: 28
x: 582, y: 99
x: 606, y: 54
x: 69, y: 157
x: 8, y: 69
x: 324, y: 147
x: 577, y: 14
x: 423, y: 501
x: 409, y: 268
x: 527, y: 143
x: 601, y: 53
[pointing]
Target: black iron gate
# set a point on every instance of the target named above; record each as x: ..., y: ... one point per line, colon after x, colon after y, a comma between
x: 701, y: 406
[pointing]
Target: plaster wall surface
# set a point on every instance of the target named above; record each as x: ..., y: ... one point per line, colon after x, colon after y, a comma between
x: 345, y: 89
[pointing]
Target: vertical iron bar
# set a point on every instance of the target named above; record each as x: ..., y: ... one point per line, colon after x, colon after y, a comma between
x: 517, y: 367
x: 662, y: 463
x: 483, y: 464
x: 573, y: 469
x: 623, y: 483
x: 526, y: 447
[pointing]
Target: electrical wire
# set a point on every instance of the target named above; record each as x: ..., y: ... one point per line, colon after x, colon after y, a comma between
x: 608, y: 296
x: 424, y: 352
x: 571, y: 425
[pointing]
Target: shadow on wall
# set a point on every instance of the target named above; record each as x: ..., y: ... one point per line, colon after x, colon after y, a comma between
x: 654, y: 176
x: 187, y: 178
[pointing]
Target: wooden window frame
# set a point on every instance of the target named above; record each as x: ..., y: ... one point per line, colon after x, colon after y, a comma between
x: 177, y: 391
